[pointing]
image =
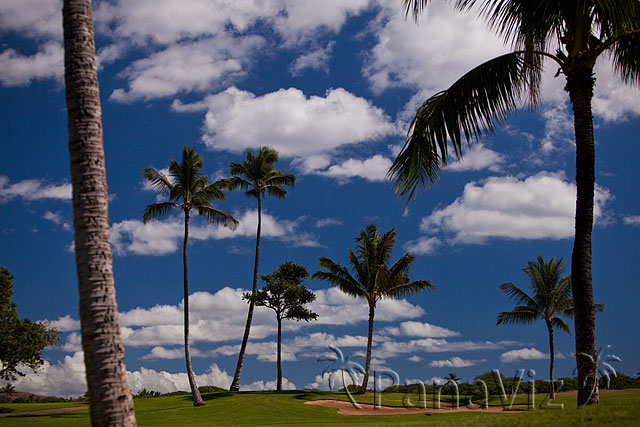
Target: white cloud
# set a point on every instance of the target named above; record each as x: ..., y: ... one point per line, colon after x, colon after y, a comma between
x: 327, y: 221
x: 423, y: 245
x: 558, y: 131
x: 632, y: 220
x: 477, y: 158
x: 419, y: 329
x: 454, y: 362
x: 292, y: 123
x: 613, y: 100
x: 317, y: 60
x: 64, y: 324
x: 372, y: 169
x: 32, y: 189
x: 188, y: 67
x: 32, y: 18
x: 389, y: 348
x: 415, y: 359
x: 20, y: 70
x: 57, y: 218
x: 429, y: 56
x: 164, y: 237
x: 537, y: 207
x: 522, y: 354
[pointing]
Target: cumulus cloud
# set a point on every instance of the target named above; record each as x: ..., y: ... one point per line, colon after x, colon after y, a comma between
x: 32, y: 18
x: 291, y: 122
x: 164, y: 237
x: 32, y: 189
x: 57, y: 218
x: 632, y: 220
x: 64, y: 324
x: 327, y: 221
x: 317, y: 60
x: 392, y: 348
x: 522, y: 354
x: 422, y: 245
x: 17, y: 69
x: 419, y: 329
x: 189, y: 67
x: 477, y: 158
x: 454, y: 362
x: 541, y: 206
x: 371, y: 169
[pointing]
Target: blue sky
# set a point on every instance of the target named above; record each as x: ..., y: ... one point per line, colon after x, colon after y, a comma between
x: 332, y: 87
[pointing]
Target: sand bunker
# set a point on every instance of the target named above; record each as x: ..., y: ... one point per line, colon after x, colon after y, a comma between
x: 346, y: 408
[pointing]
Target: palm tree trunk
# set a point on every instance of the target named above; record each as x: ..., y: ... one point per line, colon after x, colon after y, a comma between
x: 580, y: 84
x: 552, y: 393
x: 279, y: 385
x: 365, y: 380
x: 235, y: 385
x: 110, y: 397
x: 197, y: 399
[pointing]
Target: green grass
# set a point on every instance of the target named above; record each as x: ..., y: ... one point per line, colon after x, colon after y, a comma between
x: 287, y: 408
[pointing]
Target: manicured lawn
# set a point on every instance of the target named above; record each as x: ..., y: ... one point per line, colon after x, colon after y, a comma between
x: 287, y: 408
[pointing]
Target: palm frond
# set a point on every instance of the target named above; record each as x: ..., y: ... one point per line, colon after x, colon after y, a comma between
x: 406, y: 289
x: 470, y: 108
x: 340, y: 277
x: 558, y: 323
x: 209, y: 193
x: 217, y: 216
x: 520, y: 314
x: 414, y: 7
x: 626, y: 58
x: 517, y: 294
x: 158, y: 180
x: 276, y: 190
x: 157, y: 210
x: 275, y: 177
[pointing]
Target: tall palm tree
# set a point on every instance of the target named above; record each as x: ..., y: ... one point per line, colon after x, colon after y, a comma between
x: 187, y: 189
x: 551, y: 299
x: 371, y: 276
x: 110, y: 397
x: 257, y: 176
x: 573, y: 34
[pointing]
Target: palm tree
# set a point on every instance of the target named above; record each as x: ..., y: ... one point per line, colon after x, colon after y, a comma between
x: 187, y: 189
x: 110, y: 397
x: 551, y: 299
x: 374, y: 279
x: 256, y: 175
x: 573, y: 34
x: 9, y: 389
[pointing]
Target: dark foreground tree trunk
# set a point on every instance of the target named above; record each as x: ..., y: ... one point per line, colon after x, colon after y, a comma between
x: 235, y: 385
x: 279, y: 385
x: 109, y: 393
x: 197, y: 399
x: 365, y: 380
x: 552, y: 393
x: 580, y: 84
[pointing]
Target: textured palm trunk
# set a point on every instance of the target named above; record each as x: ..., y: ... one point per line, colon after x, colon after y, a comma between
x: 365, y: 380
x: 110, y: 397
x: 552, y: 392
x: 197, y: 399
x: 279, y: 385
x: 580, y: 84
x: 235, y: 385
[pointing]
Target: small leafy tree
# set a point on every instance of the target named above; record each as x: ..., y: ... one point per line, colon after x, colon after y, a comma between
x: 21, y: 340
x: 285, y: 294
x: 8, y: 389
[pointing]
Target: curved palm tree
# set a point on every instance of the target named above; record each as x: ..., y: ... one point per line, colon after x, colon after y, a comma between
x: 551, y: 299
x: 373, y: 278
x: 187, y: 189
x: 257, y: 176
x: 573, y: 34
x: 111, y: 402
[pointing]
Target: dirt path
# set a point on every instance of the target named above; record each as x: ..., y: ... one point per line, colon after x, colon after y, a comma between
x: 43, y: 411
x: 346, y: 408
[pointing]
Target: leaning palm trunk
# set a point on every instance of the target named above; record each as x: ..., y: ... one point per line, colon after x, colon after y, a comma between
x: 197, y: 399
x: 235, y: 385
x: 580, y: 85
x: 367, y: 366
x: 109, y: 395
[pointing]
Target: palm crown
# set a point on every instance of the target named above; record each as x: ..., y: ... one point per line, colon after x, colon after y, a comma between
x: 187, y: 189
x: 257, y: 175
x: 573, y: 34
